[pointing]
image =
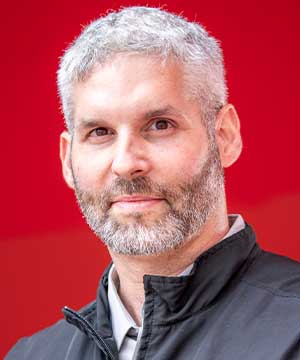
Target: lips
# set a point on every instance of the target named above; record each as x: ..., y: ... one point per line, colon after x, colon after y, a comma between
x: 134, y: 198
x: 135, y: 202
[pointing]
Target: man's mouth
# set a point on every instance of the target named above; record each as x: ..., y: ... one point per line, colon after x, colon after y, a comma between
x: 135, y: 202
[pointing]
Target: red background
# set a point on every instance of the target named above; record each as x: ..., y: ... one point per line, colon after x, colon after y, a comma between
x: 49, y: 258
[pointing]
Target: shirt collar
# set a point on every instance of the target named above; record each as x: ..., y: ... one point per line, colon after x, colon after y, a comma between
x: 236, y: 224
x: 120, y: 317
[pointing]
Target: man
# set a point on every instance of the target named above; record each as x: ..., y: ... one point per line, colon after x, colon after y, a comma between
x: 149, y: 131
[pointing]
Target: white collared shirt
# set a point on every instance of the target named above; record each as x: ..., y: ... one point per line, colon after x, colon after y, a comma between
x: 122, y: 321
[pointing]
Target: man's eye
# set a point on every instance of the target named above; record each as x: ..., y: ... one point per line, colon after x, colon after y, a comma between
x: 101, y: 131
x: 160, y: 124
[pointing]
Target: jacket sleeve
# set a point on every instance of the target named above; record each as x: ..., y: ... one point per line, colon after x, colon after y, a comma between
x: 48, y: 344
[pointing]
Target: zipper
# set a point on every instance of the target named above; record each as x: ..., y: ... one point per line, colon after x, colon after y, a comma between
x: 96, y: 337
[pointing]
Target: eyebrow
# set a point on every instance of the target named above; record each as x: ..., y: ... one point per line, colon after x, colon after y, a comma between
x: 89, y: 123
x: 167, y: 110
x: 164, y: 111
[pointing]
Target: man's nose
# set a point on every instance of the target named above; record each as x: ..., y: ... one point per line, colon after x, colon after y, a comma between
x: 130, y: 159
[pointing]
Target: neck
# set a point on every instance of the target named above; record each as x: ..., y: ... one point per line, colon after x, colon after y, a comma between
x: 131, y: 269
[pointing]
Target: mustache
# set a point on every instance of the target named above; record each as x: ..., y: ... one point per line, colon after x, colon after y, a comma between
x: 120, y: 186
x: 123, y: 186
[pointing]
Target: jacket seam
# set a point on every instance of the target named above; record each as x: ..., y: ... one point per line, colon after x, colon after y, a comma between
x: 259, y: 284
x: 271, y: 290
x: 149, y: 329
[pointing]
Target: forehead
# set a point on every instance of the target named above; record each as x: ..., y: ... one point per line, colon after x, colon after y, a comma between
x: 131, y: 84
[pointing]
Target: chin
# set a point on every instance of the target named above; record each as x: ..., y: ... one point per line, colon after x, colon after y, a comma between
x: 139, y: 217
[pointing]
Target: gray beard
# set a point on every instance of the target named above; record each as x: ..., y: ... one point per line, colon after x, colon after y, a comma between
x: 189, y: 206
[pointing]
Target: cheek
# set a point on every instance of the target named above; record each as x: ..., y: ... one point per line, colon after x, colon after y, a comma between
x: 89, y: 169
x: 180, y: 161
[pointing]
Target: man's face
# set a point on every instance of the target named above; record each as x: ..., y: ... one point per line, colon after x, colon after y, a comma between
x: 145, y: 174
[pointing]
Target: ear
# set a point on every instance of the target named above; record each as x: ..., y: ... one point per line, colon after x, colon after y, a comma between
x: 65, y: 157
x: 228, y: 135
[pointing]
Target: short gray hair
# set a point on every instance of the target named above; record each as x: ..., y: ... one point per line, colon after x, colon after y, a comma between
x: 149, y: 31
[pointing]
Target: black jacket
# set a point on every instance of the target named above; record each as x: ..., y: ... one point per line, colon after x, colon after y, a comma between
x: 239, y: 302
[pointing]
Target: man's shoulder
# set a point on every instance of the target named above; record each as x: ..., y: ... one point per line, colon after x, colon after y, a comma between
x: 275, y: 273
x: 52, y: 340
x: 35, y: 346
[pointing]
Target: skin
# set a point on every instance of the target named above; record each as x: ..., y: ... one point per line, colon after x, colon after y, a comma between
x: 147, y: 126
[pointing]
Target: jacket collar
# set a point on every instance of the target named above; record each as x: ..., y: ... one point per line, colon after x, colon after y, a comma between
x: 121, y: 320
x: 169, y: 299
